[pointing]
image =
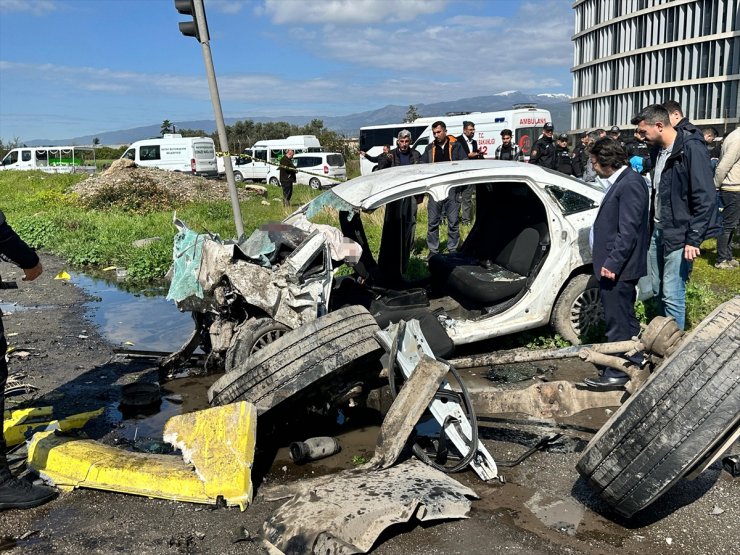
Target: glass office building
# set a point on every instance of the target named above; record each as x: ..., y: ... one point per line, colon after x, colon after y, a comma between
x: 629, y: 54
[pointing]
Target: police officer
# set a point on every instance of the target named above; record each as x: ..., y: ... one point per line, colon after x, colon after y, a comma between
x: 563, y: 159
x: 580, y: 156
x: 638, y: 147
x: 543, y: 151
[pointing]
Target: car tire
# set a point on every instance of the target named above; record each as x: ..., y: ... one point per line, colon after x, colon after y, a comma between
x: 250, y: 337
x: 275, y: 181
x: 577, y: 309
x: 314, y: 183
x: 288, y: 368
x: 675, y: 425
x: 238, y: 177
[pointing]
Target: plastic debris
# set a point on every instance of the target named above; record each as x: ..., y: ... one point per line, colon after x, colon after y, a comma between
x: 63, y: 276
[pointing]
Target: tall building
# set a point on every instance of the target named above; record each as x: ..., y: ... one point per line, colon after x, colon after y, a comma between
x: 632, y: 53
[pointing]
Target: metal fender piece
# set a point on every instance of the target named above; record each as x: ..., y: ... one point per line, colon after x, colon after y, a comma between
x: 219, y: 442
x: 25, y: 422
x: 348, y: 511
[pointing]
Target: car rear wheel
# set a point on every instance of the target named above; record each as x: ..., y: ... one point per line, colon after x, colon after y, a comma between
x: 578, y: 309
x: 303, y: 361
x: 252, y: 336
x: 683, y: 418
x: 275, y: 181
x: 238, y: 177
x: 314, y: 183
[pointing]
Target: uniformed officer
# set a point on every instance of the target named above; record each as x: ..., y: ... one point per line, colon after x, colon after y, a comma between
x: 563, y: 159
x: 543, y: 151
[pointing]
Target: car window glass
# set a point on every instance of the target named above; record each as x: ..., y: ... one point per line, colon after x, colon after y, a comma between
x: 130, y: 154
x: 307, y: 161
x: 26, y: 155
x: 149, y: 152
x: 335, y: 159
x: 569, y: 201
x: 260, y: 154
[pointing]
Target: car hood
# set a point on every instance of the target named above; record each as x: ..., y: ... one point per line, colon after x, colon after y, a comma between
x: 381, y: 187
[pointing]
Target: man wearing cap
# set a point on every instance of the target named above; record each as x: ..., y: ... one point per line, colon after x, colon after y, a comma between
x: 508, y: 150
x: 543, y: 151
x: 563, y: 160
x: 581, y: 156
x: 614, y: 133
x: 470, y: 146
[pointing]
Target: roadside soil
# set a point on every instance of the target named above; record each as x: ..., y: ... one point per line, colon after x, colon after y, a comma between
x: 543, y: 506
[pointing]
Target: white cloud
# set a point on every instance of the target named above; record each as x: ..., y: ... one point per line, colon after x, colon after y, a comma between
x: 35, y: 7
x: 225, y: 6
x: 283, y: 12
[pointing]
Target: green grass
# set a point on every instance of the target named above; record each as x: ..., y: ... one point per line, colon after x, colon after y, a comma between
x: 42, y: 209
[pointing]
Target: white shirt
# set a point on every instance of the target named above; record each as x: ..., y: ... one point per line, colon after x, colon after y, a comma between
x: 607, y: 183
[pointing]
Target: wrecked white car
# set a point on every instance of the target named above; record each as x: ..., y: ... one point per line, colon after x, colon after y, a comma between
x: 525, y: 263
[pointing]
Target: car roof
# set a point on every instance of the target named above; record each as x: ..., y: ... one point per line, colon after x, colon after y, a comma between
x: 380, y: 187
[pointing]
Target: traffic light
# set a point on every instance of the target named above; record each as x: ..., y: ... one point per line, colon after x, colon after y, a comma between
x: 191, y: 28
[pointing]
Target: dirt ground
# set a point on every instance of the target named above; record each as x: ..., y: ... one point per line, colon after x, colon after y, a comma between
x: 543, y: 506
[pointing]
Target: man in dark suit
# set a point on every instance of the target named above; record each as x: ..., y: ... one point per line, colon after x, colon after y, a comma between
x: 470, y: 146
x: 619, y: 243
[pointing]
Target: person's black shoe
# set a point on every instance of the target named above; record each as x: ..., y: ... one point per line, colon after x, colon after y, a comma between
x: 20, y: 494
x: 603, y: 383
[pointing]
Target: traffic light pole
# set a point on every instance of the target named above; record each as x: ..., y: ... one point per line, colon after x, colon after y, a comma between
x: 200, y: 21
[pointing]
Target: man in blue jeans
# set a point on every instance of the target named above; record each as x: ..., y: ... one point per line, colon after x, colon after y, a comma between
x: 683, y: 200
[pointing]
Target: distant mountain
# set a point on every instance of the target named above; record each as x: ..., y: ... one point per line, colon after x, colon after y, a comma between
x: 349, y: 125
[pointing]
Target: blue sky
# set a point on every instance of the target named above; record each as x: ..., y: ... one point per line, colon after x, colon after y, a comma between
x: 78, y: 67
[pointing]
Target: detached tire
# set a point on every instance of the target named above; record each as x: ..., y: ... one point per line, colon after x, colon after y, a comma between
x: 291, y: 365
x: 252, y: 336
x: 577, y: 309
x: 676, y: 423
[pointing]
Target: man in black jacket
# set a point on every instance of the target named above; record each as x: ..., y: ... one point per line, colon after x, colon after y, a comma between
x: 287, y: 176
x: 443, y: 149
x: 684, y: 199
x: 619, y: 243
x: 639, y: 147
x: 563, y: 159
x: 581, y: 156
x: 543, y: 151
x: 383, y: 160
x: 470, y: 146
x: 15, y: 493
x: 677, y: 119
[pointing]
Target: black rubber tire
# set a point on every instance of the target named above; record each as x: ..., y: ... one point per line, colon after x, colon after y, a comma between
x: 238, y: 177
x: 314, y: 183
x: 291, y: 365
x: 250, y: 337
x: 670, y: 427
x: 577, y: 309
x: 275, y: 181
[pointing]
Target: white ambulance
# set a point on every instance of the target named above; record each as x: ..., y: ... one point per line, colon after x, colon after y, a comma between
x: 173, y: 152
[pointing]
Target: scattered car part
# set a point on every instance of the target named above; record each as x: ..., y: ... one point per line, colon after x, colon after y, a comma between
x: 250, y: 337
x: 140, y: 394
x: 731, y: 464
x: 541, y: 444
x: 313, y: 449
x: 407, y: 409
x: 346, y: 512
x: 22, y: 423
x: 218, y: 443
x: 555, y: 399
x: 292, y: 365
x: 445, y: 407
x: 677, y: 424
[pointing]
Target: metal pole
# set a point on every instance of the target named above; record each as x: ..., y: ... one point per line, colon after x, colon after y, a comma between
x: 220, y: 126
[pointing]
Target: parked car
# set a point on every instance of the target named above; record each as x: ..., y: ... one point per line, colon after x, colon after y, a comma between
x: 319, y: 170
x: 526, y: 262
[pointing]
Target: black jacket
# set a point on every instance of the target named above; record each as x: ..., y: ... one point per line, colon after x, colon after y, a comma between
x: 450, y: 151
x: 580, y: 159
x: 621, y: 228
x: 287, y: 170
x: 383, y: 160
x: 464, y: 144
x: 687, y: 195
x: 396, y: 160
x: 543, y: 153
x: 13, y: 249
x: 563, y: 161
x: 641, y: 149
x: 512, y: 153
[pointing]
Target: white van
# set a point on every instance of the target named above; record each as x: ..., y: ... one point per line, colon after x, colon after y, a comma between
x: 318, y: 170
x: 254, y: 163
x: 173, y: 152
x: 51, y: 159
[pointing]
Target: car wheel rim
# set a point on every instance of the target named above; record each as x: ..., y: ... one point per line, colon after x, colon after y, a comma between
x: 265, y: 339
x: 314, y: 184
x: 586, y: 311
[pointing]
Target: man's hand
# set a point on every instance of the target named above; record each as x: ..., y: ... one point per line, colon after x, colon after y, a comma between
x: 607, y: 274
x: 473, y: 154
x: 689, y: 252
x: 32, y: 273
